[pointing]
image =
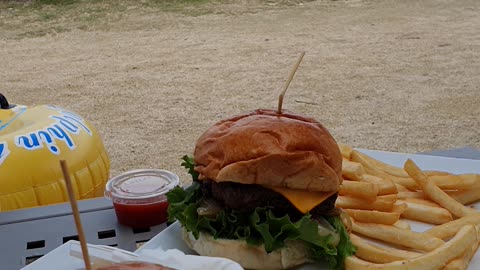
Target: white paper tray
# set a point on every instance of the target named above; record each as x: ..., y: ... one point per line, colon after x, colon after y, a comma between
x: 170, y: 238
x: 61, y: 258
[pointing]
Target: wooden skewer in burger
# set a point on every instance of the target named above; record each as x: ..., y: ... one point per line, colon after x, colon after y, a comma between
x: 82, y: 239
x: 264, y: 190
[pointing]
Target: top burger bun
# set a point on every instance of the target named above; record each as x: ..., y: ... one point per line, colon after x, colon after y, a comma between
x: 270, y: 149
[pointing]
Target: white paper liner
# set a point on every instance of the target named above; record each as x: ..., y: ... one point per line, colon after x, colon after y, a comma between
x: 172, y: 258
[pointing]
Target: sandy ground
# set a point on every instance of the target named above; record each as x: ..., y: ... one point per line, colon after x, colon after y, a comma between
x: 390, y: 75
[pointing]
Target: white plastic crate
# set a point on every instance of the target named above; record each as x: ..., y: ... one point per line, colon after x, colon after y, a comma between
x: 26, y: 235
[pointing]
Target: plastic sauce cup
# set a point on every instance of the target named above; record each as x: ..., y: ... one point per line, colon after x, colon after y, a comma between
x: 139, y: 196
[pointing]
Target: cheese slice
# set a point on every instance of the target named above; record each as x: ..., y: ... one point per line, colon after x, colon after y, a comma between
x: 303, y: 200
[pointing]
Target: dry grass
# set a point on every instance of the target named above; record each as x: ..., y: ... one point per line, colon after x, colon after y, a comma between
x: 389, y: 75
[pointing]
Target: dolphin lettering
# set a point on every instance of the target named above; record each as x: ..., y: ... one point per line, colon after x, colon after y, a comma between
x: 57, y: 132
x: 47, y: 139
x: 78, y: 120
x: 29, y: 141
x: 67, y: 124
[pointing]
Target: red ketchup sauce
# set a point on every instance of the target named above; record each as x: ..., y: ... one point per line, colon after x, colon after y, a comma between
x: 141, y: 216
x: 139, y: 196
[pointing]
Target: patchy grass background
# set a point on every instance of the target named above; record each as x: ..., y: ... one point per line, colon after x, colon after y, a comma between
x: 19, y: 19
x: 153, y: 75
x: 42, y: 17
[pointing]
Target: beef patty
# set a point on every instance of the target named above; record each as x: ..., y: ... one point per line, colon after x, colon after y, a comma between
x: 246, y: 198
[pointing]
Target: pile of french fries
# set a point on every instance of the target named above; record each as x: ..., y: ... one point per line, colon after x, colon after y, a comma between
x: 379, y: 198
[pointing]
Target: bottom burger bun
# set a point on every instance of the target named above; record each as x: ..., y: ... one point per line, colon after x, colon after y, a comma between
x: 294, y: 253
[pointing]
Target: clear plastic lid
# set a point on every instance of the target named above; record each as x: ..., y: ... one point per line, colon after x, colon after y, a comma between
x: 141, y: 186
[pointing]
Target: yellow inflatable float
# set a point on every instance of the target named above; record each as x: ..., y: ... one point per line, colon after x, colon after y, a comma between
x: 32, y: 142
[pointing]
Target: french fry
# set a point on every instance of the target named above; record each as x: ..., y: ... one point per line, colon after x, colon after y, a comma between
x: 401, y: 188
x: 381, y: 203
x: 385, y: 186
x: 387, y: 168
x: 426, y: 213
x: 377, y: 254
x: 431, y: 173
x: 462, y: 262
x: 444, y: 181
x: 346, y: 150
x: 402, y: 224
x: 392, y: 234
x: 471, y: 177
x: 352, y: 170
x: 399, y: 207
x: 435, y: 193
x: 371, y: 169
x: 406, y: 182
x: 369, y: 216
x: 364, y: 190
x: 449, y: 229
x: 422, y: 201
x: 466, y: 196
x: 434, y: 260
x: 433, y: 197
x: 410, y: 194
x: 451, y: 181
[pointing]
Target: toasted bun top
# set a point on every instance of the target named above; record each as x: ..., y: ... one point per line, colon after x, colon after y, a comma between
x: 270, y: 149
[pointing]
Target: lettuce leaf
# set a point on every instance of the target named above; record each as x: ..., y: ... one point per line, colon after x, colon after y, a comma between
x: 259, y: 227
x: 190, y: 166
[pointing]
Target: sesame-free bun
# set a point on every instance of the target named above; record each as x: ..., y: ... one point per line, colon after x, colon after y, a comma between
x: 270, y: 149
x: 294, y: 253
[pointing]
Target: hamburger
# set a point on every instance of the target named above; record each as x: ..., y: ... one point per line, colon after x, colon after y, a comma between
x: 263, y: 193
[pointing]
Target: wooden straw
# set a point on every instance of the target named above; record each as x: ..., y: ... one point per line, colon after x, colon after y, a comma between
x: 289, y: 80
x: 76, y: 215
